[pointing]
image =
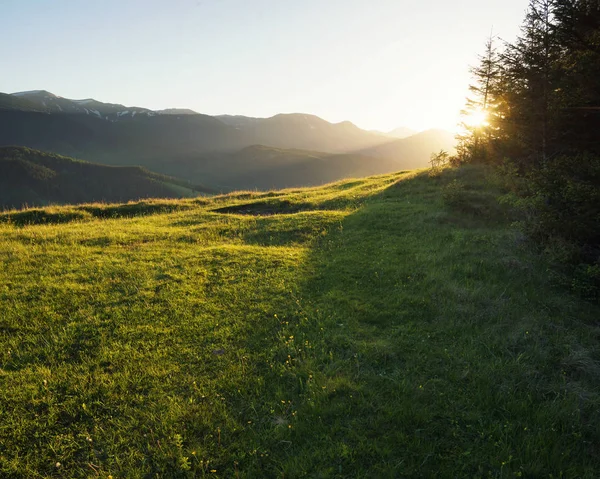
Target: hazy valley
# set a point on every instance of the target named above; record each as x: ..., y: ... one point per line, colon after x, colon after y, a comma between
x: 222, y: 153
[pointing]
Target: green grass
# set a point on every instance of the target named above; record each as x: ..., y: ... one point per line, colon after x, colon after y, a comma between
x: 377, y: 330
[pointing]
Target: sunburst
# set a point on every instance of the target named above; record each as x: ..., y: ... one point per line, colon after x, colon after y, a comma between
x: 476, y: 118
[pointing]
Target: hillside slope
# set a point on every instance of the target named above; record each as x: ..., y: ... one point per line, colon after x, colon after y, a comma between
x: 263, y: 167
x: 414, y: 151
x: 203, y: 148
x: 131, y: 142
x: 31, y: 177
x: 394, y: 326
x: 11, y: 102
x: 118, y: 134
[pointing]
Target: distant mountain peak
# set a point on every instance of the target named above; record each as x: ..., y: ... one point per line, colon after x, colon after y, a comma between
x: 43, y: 93
x: 306, y: 116
x: 47, y: 102
x: 176, y: 111
x: 239, y: 116
x: 402, y: 132
x: 346, y: 123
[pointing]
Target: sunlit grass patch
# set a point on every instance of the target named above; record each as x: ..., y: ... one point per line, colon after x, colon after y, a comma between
x: 382, y: 332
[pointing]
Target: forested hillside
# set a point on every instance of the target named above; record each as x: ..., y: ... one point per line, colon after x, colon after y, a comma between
x: 537, y: 106
x: 34, y: 178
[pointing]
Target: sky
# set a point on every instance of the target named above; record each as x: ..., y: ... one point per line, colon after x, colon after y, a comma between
x: 381, y: 64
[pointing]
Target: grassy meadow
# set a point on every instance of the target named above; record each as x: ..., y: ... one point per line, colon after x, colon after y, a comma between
x: 393, y: 326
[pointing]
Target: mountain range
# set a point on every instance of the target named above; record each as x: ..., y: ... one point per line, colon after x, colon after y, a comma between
x: 400, y: 132
x: 212, y: 150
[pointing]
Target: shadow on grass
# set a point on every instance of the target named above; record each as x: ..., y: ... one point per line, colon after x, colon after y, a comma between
x: 131, y: 210
x: 266, y: 208
x: 398, y: 340
x: 42, y: 216
x: 87, y: 212
x: 430, y: 353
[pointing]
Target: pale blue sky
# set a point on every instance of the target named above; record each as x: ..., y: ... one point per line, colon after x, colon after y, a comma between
x: 378, y: 63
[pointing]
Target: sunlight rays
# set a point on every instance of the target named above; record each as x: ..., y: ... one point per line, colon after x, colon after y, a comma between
x: 476, y: 118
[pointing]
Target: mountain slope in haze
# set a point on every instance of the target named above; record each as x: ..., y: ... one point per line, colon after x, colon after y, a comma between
x: 401, y: 132
x: 414, y: 151
x: 238, y: 121
x: 124, y: 135
x: 307, y: 132
x: 264, y: 167
x: 118, y: 143
x: 302, y: 131
x: 35, y: 178
x: 197, y: 147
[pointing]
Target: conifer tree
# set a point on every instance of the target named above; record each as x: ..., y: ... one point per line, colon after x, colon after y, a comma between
x: 475, y: 144
x: 578, y: 31
x: 530, y: 66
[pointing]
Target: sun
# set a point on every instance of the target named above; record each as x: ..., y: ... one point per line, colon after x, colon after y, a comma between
x: 476, y: 118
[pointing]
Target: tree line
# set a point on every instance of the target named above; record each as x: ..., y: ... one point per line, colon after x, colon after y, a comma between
x: 537, y: 100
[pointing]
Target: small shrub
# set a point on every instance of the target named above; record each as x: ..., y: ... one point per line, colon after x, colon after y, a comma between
x: 455, y: 194
x: 507, y: 176
x: 586, y: 281
x: 474, y: 199
x: 437, y: 162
